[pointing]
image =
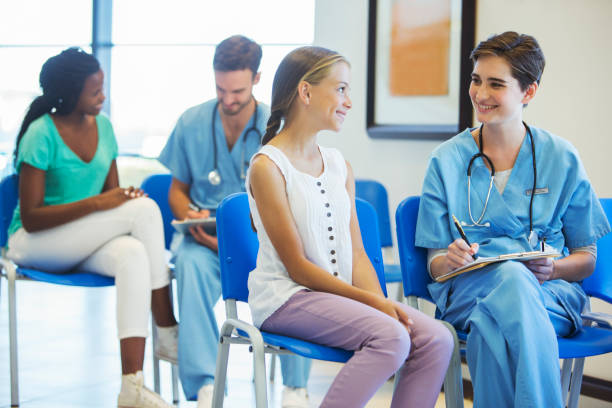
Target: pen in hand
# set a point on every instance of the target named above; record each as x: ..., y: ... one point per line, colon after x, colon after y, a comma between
x: 456, y: 221
x: 194, y: 207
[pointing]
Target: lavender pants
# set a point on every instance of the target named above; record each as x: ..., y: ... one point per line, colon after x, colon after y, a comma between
x: 381, y: 344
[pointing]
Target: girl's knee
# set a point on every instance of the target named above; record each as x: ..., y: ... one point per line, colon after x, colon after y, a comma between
x: 394, y: 341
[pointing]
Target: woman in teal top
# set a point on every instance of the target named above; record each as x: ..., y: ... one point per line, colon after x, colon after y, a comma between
x: 72, y: 214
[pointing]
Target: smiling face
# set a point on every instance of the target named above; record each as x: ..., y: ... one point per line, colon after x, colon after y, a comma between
x: 496, y: 95
x: 92, y: 96
x: 330, y: 98
x: 234, y: 89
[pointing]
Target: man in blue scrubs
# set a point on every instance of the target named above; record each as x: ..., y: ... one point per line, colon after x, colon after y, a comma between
x: 208, y: 153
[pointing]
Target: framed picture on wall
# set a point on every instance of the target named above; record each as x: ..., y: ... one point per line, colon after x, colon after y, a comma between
x: 419, y: 68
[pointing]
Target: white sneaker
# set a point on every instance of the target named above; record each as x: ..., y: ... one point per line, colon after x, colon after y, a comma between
x: 295, y: 398
x: 205, y: 395
x: 135, y: 395
x: 166, y: 347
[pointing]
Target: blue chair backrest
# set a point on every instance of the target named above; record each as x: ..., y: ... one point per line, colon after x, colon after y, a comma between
x: 9, y: 192
x: 413, y: 260
x: 238, y: 244
x: 157, y: 187
x: 599, y: 284
x: 376, y: 194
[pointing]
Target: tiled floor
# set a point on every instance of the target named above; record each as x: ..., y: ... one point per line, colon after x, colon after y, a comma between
x: 68, y: 354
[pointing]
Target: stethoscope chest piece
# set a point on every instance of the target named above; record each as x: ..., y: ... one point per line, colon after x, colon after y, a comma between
x: 214, y: 177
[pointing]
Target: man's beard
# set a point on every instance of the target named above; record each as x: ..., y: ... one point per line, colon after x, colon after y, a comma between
x: 237, y: 110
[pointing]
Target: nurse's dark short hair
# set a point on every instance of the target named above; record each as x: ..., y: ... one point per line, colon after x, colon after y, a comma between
x: 237, y: 53
x: 521, y: 51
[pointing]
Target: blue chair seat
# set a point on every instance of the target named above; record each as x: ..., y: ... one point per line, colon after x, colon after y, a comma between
x: 590, y: 341
x: 69, y: 279
x: 305, y: 348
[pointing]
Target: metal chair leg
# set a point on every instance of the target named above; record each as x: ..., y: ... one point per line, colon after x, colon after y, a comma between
x: 566, y: 372
x: 221, y: 368
x: 11, y: 274
x: 259, y: 367
x: 156, y: 381
x: 175, y: 390
x: 576, y: 383
x: 453, y: 381
x: 272, y: 366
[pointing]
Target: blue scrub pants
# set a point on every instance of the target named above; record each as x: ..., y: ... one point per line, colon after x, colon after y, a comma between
x: 199, y: 289
x: 513, y: 324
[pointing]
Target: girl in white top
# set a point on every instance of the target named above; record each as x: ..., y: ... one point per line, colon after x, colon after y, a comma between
x: 313, y: 279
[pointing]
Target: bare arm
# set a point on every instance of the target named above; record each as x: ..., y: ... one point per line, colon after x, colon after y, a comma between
x: 364, y: 275
x: 112, y: 178
x: 268, y: 188
x: 36, y: 216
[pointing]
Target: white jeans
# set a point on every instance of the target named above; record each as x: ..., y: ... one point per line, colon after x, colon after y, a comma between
x: 126, y: 242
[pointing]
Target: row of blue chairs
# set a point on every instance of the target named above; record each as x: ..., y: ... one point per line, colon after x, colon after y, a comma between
x: 241, y: 257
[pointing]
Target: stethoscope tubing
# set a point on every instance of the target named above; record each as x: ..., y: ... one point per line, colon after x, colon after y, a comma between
x: 490, y: 162
x: 253, y: 128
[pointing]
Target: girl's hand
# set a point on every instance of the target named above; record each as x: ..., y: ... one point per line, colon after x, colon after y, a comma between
x: 395, y: 311
x: 543, y: 269
x: 116, y: 196
x: 460, y: 253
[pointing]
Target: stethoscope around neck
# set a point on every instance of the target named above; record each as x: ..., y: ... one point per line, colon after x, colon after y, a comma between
x: 477, y: 223
x: 214, y: 177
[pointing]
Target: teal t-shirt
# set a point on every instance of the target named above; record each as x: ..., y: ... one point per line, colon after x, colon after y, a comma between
x: 68, y: 178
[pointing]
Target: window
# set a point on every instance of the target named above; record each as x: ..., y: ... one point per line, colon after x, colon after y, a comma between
x: 161, y: 56
x: 25, y: 47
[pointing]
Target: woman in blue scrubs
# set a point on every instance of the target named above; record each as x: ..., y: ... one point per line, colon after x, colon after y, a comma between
x: 514, y: 188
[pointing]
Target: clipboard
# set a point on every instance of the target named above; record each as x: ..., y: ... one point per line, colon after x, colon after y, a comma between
x: 484, y: 261
x: 209, y: 224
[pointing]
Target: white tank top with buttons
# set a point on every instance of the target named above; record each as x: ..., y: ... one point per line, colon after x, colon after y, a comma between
x: 321, y: 210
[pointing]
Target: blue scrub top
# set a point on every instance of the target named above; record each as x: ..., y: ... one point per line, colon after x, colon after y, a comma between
x: 566, y: 210
x: 189, y: 154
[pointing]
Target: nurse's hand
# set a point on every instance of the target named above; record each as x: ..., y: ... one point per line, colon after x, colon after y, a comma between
x: 543, y: 269
x: 204, y: 213
x: 460, y: 253
x: 198, y: 233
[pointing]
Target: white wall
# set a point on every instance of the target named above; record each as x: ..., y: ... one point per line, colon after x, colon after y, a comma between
x: 573, y: 100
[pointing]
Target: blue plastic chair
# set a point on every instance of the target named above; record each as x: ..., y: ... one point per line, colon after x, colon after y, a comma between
x: 238, y: 246
x: 590, y: 341
x: 157, y: 186
x: 376, y: 194
x: 12, y: 272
